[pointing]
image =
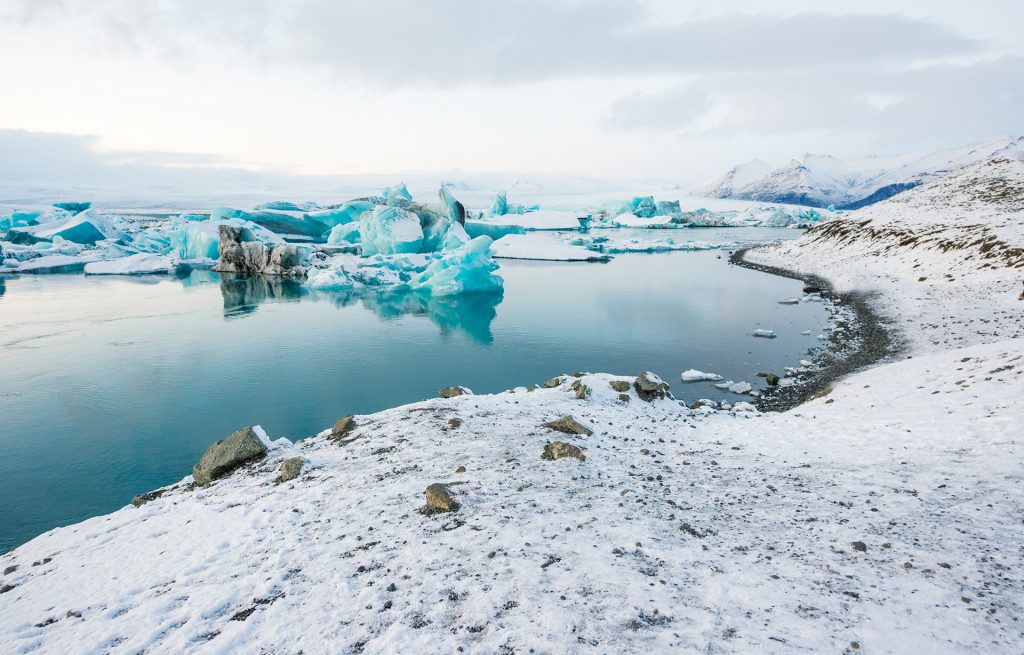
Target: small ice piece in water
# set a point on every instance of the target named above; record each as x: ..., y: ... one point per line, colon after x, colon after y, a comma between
x: 822, y: 337
x: 806, y: 333
x: 740, y: 387
x: 805, y: 362
x: 390, y: 230
x: 766, y: 334
x: 789, y: 301
x: 693, y: 375
x: 724, y: 385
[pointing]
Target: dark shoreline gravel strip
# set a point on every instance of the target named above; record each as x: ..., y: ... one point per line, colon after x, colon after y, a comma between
x: 865, y: 341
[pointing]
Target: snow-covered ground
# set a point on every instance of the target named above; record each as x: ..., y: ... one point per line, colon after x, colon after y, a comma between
x: 883, y: 517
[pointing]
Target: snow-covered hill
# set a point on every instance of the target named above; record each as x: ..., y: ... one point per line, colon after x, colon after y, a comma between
x: 883, y: 517
x: 822, y: 180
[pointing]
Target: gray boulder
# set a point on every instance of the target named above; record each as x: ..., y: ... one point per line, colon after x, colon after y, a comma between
x: 439, y: 499
x: 291, y: 468
x: 451, y: 392
x: 568, y: 425
x: 226, y: 455
x: 619, y: 385
x: 560, y: 449
x: 649, y: 387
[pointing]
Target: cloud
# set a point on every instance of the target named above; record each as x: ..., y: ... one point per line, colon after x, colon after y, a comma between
x: 940, y: 103
x: 450, y: 43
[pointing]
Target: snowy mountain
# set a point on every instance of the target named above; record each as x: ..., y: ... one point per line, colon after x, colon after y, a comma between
x: 822, y: 180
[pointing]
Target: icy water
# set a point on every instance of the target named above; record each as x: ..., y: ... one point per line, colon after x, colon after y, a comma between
x: 111, y: 387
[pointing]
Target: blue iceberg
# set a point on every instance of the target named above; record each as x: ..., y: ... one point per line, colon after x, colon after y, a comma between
x: 454, y: 210
x: 492, y: 230
x: 390, y: 230
x: 344, y: 235
x: 397, y: 194
x: 348, y: 212
x: 467, y: 269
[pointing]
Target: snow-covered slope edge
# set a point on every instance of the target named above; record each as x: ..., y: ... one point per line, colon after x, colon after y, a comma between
x: 882, y: 518
x: 823, y: 180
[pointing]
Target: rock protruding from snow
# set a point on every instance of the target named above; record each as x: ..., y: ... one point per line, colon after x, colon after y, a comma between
x: 343, y: 426
x: 226, y: 455
x: 560, y: 449
x: 439, y: 499
x: 568, y: 425
x: 291, y: 468
x: 451, y: 392
x: 650, y: 387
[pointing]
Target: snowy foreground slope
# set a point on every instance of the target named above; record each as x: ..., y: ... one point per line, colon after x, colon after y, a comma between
x: 883, y: 517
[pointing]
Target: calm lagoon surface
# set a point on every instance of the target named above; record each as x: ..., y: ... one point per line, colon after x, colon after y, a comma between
x: 111, y: 387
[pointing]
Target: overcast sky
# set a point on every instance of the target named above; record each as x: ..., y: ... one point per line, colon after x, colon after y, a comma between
x: 670, y: 90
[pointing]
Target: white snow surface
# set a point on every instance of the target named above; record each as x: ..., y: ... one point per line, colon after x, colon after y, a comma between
x: 885, y: 513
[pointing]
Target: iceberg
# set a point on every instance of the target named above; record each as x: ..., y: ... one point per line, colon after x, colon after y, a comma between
x: 342, y: 214
x: 397, y: 194
x: 284, y: 205
x: 390, y: 230
x: 642, y: 207
x: 435, y: 227
x: 493, y: 230
x: 289, y: 223
x: 73, y: 207
x: 344, y: 234
x: 84, y: 228
x: 454, y: 210
x: 139, y: 264
x: 199, y: 239
x: 467, y: 269
x: 499, y: 206
x: 693, y: 375
x: 668, y: 208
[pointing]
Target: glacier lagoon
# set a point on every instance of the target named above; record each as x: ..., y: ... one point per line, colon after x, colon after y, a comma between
x: 113, y: 386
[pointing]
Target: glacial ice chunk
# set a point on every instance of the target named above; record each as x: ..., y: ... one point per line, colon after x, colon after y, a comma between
x: 199, y: 239
x: 344, y: 234
x: 390, y: 230
x: 295, y: 223
x: 397, y: 194
x: 73, y: 207
x: 499, y: 206
x: 467, y: 269
x: 348, y: 212
x: 643, y: 206
x: 84, y: 228
x: 495, y: 231
x: 766, y: 334
x: 139, y: 264
x: 693, y: 375
x: 284, y: 205
x: 454, y: 210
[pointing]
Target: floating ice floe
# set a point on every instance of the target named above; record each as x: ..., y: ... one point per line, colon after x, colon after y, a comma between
x: 789, y: 301
x: 537, y: 246
x: 766, y: 334
x: 693, y: 375
x: 138, y: 264
x: 735, y: 387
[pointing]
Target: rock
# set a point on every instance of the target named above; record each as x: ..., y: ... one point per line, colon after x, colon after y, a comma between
x: 860, y: 546
x: 451, y: 392
x: 624, y: 397
x: 10, y: 569
x: 810, y: 288
x: 343, y: 426
x: 582, y: 390
x: 7, y: 587
x: 461, y: 469
x: 142, y: 499
x: 554, y: 382
x: 696, y: 404
x: 439, y: 499
x: 772, y: 380
x: 559, y: 449
x: 291, y: 468
x: 237, y: 256
x: 455, y: 423
x: 226, y: 455
x: 649, y: 386
x: 568, y: 425
x: 619, y: 385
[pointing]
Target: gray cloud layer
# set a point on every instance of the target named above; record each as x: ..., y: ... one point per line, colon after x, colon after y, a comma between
x: 448, y: 43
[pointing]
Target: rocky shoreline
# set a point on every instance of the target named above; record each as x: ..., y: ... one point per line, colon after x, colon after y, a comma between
x: 865, y: 341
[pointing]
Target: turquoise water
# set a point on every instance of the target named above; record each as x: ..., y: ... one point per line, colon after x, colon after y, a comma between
x: 112, y: 386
